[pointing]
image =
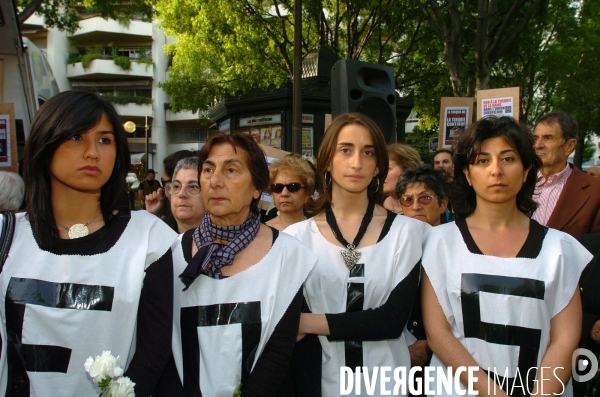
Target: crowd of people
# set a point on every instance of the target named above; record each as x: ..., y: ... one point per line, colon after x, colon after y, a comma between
x: 372, y: 259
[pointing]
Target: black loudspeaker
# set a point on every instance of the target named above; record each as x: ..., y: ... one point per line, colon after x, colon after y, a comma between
x: 367, y: 88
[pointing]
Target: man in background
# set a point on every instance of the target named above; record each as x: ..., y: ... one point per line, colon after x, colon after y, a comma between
x: 442, y: 160
x: 568, y: 198
x: 148, y: 185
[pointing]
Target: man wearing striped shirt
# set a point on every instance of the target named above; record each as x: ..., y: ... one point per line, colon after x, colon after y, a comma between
x: 569, y: 199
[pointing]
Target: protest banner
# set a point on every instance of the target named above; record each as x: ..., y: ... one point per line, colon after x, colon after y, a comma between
x: 455, y: 116
x: 498, y: 102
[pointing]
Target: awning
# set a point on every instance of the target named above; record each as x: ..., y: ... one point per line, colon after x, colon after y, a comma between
x: 136, y: 158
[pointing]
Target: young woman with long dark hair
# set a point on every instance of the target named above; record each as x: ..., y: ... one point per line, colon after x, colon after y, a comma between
x: 83, y: 275
x: 362, y: 290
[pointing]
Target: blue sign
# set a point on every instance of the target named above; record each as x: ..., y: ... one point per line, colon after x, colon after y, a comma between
x: 433, y: 144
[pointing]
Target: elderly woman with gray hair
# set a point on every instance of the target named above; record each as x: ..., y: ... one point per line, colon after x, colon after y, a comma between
x: 187, y: 208
x: 239, y: 292
x: 12, y: 190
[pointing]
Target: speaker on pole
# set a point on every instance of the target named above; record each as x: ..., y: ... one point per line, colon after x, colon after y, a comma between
x: 366, y: 88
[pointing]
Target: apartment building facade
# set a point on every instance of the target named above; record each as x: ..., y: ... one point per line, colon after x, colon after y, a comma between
x: 124, y: 63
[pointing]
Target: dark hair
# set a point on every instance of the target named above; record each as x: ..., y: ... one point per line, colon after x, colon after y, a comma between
x: 449, y: 151
x: 150, y: 171
x: 434, y: 180
x: 467, y: 149
x: 327, y: 150
x: 170, y: 162
x: 62, y: 116
x: 567, y: 125
x: 255, y: 157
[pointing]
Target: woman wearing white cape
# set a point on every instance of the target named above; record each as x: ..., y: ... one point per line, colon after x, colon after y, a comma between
x: 362, y: 290
x: 500, y: 291
x: 238, y: 299
x: 84, y: 274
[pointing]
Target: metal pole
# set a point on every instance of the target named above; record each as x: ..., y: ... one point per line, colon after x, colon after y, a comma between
x: 297, y: 98
x: 146, y: 145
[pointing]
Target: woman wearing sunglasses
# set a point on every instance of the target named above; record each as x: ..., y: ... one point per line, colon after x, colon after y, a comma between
x: 500, y: 291
x: 361, y: 291
x: 292, y: 182
x: 422, y: 193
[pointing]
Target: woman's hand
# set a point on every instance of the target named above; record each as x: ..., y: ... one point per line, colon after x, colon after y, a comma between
x: 419, y: 353
x: 154, y: 202
x: 444, y: 344
x: 565, y: 329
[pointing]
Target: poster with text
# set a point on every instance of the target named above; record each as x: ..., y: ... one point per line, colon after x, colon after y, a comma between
x: 307, y: 141
x: 455, y: 122
x: 498, y: 102
x: 456, y: 114
x: 4, y: 139
x: 497, y: 107
x: 8, y: 138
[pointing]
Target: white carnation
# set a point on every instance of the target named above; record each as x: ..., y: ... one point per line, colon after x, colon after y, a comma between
x: 104, y: 366
x: 122, y: 387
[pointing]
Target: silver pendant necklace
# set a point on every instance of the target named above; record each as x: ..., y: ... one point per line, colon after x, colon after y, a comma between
x: 78, y: 229
x: 350, y: 256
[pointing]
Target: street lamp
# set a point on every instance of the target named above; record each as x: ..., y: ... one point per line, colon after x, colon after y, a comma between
x: 130, y: 127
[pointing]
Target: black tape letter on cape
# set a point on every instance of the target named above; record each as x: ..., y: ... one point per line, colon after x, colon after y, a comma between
x: 528, y: 339
x: 245, y: 313
x: 353, y: 350
x: 43, y: 358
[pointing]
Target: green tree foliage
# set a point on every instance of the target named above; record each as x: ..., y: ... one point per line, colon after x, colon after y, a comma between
x: 575, y: 89
x: 229, y: 46
x: 66, y: 14
x: 436, y: 47
x: 223, y: 46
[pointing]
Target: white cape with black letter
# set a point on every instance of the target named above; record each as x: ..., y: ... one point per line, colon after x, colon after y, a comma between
x: 226, y: 306
x: 58, y: 316
x: 386, y: 264
x: 521, y: 295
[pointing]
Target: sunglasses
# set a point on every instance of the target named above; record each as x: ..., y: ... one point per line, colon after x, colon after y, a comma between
x: 424, y: 200
x: 291, y: 187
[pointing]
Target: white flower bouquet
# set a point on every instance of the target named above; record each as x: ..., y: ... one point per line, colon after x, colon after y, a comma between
x: 103, y: 369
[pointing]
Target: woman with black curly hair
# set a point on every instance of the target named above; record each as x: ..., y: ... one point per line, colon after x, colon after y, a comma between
x: 500, y: 291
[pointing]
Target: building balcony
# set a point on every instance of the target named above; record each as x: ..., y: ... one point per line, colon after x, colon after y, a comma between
x: 130, y: 110
x: 98, y: 30
x: 183, y: 116
x: 103, y: 69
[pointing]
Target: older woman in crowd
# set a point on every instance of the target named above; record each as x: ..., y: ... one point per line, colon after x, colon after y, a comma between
x: 12, y: 190
x: 401, y: 157
x: 500, y: 291
x: 422, y: 193
x: 239, y: 293
x: 187, y: 208
x: 292, y: 182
